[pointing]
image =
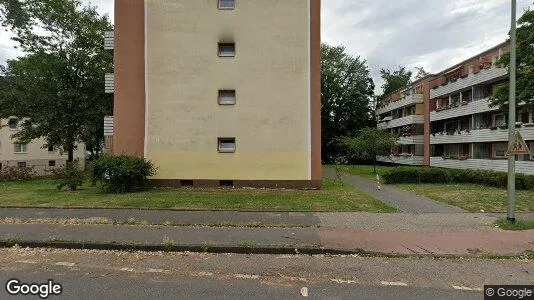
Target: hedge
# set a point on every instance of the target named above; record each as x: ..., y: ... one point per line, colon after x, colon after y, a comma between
x: 442, y: 175
x: 121, y: 174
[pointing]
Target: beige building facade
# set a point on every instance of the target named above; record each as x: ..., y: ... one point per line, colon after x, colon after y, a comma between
x: 34, y: 154
x: 219, y: 91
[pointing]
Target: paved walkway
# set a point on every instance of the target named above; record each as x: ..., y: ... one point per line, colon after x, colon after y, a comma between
x: 403, y: 201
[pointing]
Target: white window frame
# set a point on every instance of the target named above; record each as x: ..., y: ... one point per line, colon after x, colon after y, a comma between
x: 219, y: 6
x: 23, y: 148
x: 225, y: 97
x: 226, y: 140
x: 223, y: 54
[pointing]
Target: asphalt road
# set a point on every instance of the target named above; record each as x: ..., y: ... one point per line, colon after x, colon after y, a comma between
x: 140, y: 275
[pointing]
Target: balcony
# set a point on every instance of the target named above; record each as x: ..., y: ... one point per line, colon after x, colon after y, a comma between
x: 413, y: 119
x: 110, y: 83
x: 402, y: 160
x: 409, y: 140
x: 408, y: 100
x: 108, y: 126
x: 109, y: 40
x: 480, y: 136
x: 500, y: 165
x: 472, y: 79
x: 474, y: 107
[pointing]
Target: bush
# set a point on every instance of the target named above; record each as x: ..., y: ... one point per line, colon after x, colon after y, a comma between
x: 17, y: 173
x: 121, y: 174
x: 447, y: 176
x: 70, y: 175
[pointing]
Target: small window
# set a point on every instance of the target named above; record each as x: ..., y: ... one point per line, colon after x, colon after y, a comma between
x: 0, y: 166
x: 499, y: 150
x: 226, y: 183
x: 226, y: 49
x: 226, y: 97
x: 21, y: 164
x: 226, y: 4
x: 51, y: 163
x: 20, y: 148
x: 50, y: 149
x: 13, y: 124
x: 226, y: 145
x: 186, y: 183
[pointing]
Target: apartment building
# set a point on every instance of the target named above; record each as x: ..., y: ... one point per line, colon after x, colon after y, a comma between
x: 403, y: 113
x: 218, y: 92
x: 35, y: 154
x: 461, y: 130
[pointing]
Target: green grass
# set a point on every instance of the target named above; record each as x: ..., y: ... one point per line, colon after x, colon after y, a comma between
x: 518, y: 225
x: 366, y: 171
x: 335, y: 196
x: 472, y: 197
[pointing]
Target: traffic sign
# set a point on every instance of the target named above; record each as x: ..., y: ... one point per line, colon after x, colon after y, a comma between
x: 518, y: 145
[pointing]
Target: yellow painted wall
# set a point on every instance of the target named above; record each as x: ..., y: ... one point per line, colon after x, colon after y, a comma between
x: 269, y: 73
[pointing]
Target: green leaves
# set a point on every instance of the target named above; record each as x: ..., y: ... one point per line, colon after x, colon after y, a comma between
x: 396, y: 80
x: 369, y: 143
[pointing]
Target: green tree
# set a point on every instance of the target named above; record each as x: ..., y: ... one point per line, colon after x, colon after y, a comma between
x: 421, y: 73
x: 56, y: 90
x: 347, y: 99
x: 369, y: 143
x: 394, y: 80
x: 525, y: 66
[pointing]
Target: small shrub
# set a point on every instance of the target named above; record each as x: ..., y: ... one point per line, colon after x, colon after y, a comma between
x: 121, y: 174
x: 70, y: 175
x: 17, y: 173
x: 447, y: 176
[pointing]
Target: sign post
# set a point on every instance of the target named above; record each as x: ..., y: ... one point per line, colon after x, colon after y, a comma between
x: 511, y: 118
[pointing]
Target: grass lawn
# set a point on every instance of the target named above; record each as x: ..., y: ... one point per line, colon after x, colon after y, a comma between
x: 472, y: 197
x: 366, y: 171
x: 335, y: 196
x: 518, y: 225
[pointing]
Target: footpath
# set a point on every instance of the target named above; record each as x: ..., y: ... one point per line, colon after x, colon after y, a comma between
x: 432, y: 234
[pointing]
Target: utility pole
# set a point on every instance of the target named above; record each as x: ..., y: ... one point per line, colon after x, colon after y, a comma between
x: 511, y: 118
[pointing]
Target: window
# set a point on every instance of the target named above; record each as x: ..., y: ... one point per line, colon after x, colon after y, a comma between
x: 0, y: 166
x: 51, y: 163
x: 226, y: 145
x: 226, y: 97
x: 20, y: 148
x: 13, y: 124
x: 499, y: 150
x: 499, y: 120
x: 21, y: 164
x: 226, y: 49
x: 226, y: 4
x: 50, y: 149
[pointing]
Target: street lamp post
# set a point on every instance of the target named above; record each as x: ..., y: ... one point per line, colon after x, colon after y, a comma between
x: 511, y: 118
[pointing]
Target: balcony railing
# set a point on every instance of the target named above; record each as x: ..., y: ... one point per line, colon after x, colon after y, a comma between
x: 109, y: 40
x: 108, y: 126
x: 500, y: 165
x: 412, y: 139
x: 413, y: 119
x: 495, y: 134
x: 469, y: 108
x: 408, y: 100
x: 110, y: 83
x: 472, y: 79
x: 406, y: 159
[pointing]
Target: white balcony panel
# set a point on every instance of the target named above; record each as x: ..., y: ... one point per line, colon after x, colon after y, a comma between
x: 480, y: 136
x: 413, y: 119
x: 409, y: 140
x: 473, y: 79
x: 110, y: 83
x: 408, y: 100
x: 402, y: 160
x: 109, y: 40
x: 500, y: 165
x: 474, y: 107
x: 108, y: 126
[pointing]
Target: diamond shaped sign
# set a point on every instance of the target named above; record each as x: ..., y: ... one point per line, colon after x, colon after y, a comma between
x: 518, y: 145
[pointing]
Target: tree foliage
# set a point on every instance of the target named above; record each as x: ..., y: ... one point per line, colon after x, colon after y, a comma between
x: 369, y: 143
x: 57, y: 89
x: 346, y: 98
x: 525, y: 66
x: 421, y: 73
x: 394, y: 80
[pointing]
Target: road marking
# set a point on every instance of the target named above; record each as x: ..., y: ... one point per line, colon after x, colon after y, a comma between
x: 464, y: 288
x: 246, y: 276
x: 127, y: 269
x: 393, y: 283
x: 26, y: 261
x: 336, y: 280
x: 64, y: 263
x: 155, y: 270
x: 292, y: 278
x: 205, y: 274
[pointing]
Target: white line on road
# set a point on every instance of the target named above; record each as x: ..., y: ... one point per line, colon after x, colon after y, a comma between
x: 127, y: 269
x: 155, y: 270
x: 246, y: 276
x: 64, y: 263
x: 26, y: 261
x: 336, y: 280
x: 205, y: 274
x: 393, y: 283
x: 464, y: 288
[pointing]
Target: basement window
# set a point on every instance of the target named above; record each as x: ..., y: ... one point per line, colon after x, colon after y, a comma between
x: 51, y: 163
x: 226, y: 4
x: 226, y: 97
x: 226, y: 49
x: 226, y: 183
x: 226, y: 145
x: 186, y: 183
x: 21, y: 164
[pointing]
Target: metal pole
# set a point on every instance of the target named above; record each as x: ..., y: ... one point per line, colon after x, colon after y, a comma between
x: 511, y: 118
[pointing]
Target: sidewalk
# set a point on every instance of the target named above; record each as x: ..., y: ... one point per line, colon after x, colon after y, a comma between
x: 460, y: 234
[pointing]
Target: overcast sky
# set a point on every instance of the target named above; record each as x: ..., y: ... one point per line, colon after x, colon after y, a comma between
x: 433, y: 34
